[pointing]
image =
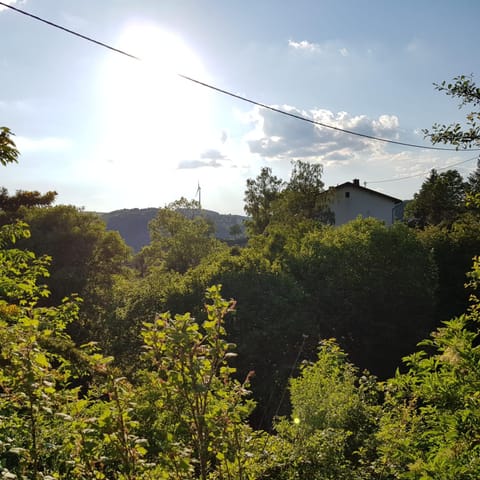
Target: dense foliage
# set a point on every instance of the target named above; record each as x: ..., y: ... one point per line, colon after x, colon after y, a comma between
x: 441, y: 200
x: 269, y: 200
x: 431, y: 415
x: 12, y: 207
x: 301, y: 377
x: 67, y: 412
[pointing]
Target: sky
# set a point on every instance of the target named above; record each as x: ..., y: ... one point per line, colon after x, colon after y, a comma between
x: 108, y: 132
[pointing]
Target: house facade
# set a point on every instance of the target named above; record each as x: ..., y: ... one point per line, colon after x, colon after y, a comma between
x: 350, y: 199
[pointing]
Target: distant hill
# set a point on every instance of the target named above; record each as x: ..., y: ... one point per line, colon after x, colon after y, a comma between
x: 132, y: 224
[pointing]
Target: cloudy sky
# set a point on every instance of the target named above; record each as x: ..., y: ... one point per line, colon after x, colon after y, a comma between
x: 108, y: 132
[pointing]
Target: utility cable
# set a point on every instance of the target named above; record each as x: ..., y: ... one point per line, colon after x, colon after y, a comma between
x: 422, y: 174
x: 72, y: 32
x: 234, y: 95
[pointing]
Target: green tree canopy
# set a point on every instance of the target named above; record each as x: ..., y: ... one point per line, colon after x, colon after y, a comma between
x: 80, y: 246
x: 473, y: 181
x: 199, y: 407
x: 368, y: 285
x: 260, y: 195
x: 12, y: 207
x: 181, y: 237
x: 334, y: 417
x: 270, y: 200
x: 431, y: 422
x: 266, y: 326
x: 304, y: 196
x: 441, y: 200
x: 86, y: 260
x: 453, y: 248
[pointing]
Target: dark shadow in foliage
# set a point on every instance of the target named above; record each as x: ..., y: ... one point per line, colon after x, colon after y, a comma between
x: 453, y: 249
x: 13, y: 207
x: 266, y: 326
x: 370, y: 286
x: 440, y: 201
x: 85, y: 260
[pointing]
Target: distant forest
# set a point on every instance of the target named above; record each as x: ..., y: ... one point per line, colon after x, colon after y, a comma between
x: 132, y: 224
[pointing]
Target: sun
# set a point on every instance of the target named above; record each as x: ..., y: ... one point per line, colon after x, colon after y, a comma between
x: 150, y: 113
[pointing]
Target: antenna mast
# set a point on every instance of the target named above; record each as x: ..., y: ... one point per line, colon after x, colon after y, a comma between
x: 199, y: 193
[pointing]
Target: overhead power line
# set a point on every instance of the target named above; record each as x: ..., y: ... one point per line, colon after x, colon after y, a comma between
x: 231, y: 94
x: 424, y: 173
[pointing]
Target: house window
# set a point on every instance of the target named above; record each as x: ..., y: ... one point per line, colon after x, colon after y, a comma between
x: 347, y: 194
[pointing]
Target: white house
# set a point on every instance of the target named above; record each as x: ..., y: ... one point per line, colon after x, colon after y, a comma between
x: 350, y: 199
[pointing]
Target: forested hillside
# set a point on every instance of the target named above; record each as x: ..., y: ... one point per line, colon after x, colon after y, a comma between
x: 311, y: 352
x: 132, y: 224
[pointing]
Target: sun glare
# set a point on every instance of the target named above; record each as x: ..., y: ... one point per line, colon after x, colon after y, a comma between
x: 152, y: 116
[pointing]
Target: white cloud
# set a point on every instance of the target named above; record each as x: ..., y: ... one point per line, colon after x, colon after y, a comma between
x: 304, y: 45
x: 328, y: 48
x: 386, y: 123
x: 208, y: 158
x: 278, y: 137
x: 276, y: 140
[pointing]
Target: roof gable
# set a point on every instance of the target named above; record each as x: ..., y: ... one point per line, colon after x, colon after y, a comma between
x: 355, y: 186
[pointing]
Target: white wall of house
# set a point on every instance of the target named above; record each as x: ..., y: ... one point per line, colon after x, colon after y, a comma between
x: 350, y: 201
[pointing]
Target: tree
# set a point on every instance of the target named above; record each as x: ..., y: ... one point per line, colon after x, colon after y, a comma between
x: 200, y: 409
x: 468, y: 136
x: 82, y: 249
x: 50, y: 426
x: 86, y: 260
x: 260, y: 195
x: 136, y: 300
x: 178, y: 242
x: 473, y: 181
x: 8, y: 149
x: 268, y: 325
x: 431, y: 422
x: 441, y: 200
x: 235, y: 230
x: 269, y: 200
x: 304, y: 196
x: 330, y: 432
x: 28, y: 378
x: 369, y: 286
x: 464, y: 136
x: 13, y: 207
x: 453, y: 248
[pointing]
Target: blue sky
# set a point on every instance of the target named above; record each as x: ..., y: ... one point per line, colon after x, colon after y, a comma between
x: 107, y: 132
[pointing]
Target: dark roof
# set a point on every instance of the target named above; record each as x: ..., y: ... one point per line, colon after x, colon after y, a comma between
x: 365, y: 189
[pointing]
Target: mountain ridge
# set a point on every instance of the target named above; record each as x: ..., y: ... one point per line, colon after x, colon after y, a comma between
x: 132, y: 224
